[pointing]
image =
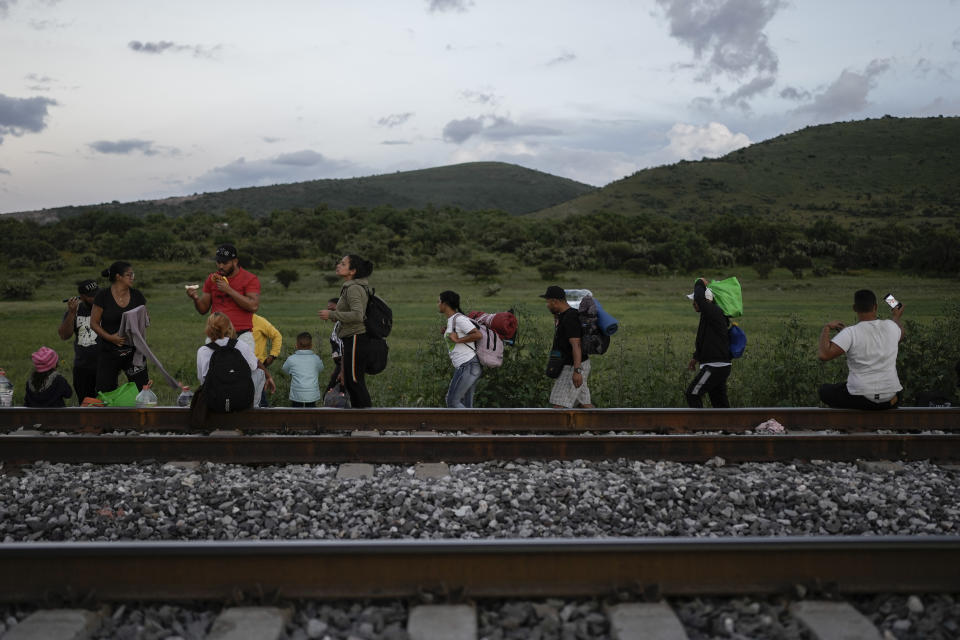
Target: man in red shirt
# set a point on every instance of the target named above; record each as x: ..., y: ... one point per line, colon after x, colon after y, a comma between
x: 234, y: 291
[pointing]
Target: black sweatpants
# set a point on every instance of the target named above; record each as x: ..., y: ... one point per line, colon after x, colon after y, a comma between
x: 85, y: 382
x: 837, y: 396
x: 353, y: 360
x: 111, y: 363
x: 712, y: 381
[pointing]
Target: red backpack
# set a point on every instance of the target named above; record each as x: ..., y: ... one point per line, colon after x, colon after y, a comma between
x: 503, y: 323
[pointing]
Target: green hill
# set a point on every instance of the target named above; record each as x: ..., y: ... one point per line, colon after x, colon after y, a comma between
x: 883, y: 168
x: 472, y: 186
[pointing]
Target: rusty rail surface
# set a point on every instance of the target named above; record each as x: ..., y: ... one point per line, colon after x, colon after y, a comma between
x: 225, y: 571
x: 410, y: 449
x: 172, y: 419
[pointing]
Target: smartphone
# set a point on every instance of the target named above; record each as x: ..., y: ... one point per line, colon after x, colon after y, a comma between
x: 890, y: 300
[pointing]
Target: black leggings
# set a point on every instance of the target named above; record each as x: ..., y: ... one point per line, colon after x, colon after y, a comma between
x: 712, y: 381
x: 109, y: 366
x: 353, y: 361
x: 85, y: 382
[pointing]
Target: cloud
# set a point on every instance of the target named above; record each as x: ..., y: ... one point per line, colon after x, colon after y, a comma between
x: 847, y: 94
x: 296, y: 166
x: 5, y: 172
x: 792, y: 93
x: 690, y: 142
x: 20, y: 115
x: 131, y: 145
x: 395, y: 142
x: 563, y: 58
x: 270, y: 140
x: 741, y: 96
x: 394, y: 119
x: 459, y: 131
x: 727, y: 38
x: 40, y: 83
x: 728, y: 32
x: 441, y: 6
x: 156, y: 48
x: 491, y: 127
x: 46, y: 25
x: 5, y: 7
x: 480, y: 97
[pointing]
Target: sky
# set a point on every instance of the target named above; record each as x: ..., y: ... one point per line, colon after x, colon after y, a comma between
x: 127, y: 100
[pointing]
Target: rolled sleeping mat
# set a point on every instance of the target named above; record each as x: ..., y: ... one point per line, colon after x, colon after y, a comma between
x: 607, y: 323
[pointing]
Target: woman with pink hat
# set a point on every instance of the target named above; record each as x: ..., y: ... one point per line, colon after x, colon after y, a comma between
x: 46, y: 387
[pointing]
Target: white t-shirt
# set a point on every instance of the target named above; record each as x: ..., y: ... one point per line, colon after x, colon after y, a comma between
x: 460, y: 352
x: 871, y: 347
x: 204, y: 353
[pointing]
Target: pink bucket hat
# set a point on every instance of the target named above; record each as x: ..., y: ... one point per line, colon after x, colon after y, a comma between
x: 45, y: 359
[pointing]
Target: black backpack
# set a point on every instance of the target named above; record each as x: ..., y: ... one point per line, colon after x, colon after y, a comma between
x: 228, y: 386
x: 375, y: 358
x: 593, y: 341
x: 379, y: 317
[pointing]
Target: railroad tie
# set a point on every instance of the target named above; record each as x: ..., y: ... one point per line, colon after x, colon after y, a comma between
x: 644, y: 621
x: 56, y: 624
x: 250, y: 623
x: 442, y: 622
x: 354, y: 471
x: 834, y: 621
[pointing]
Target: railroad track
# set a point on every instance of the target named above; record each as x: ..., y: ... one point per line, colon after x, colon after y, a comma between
x: 230, y: 571
x: 174, y: 419
x: 411, y: 449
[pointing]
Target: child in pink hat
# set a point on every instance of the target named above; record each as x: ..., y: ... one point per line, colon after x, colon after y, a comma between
x: 46, y: 387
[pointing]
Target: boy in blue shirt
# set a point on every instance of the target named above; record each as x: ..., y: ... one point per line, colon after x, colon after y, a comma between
x: 304, y: 368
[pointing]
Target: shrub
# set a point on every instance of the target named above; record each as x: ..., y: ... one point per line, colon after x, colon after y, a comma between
x: 763, y: 269
x: 17, y: 290
x: 331, y: 278
x: 481, y: 268
x: 88, y: 260
x: 57, y: 264
x: 287, y: 276
x: 20, y: 263
x: 550, y: 270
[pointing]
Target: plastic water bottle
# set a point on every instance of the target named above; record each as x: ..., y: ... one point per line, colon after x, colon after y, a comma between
x: 6, y: 390
x: 185, y: 397
x: 146, y: 399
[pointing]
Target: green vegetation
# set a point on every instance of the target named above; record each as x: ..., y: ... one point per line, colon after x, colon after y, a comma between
x: 470, y: 186
x: 646, y: 364
x: 847, y: 173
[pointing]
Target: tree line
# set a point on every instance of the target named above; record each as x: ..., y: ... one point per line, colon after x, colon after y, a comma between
x: 644, y: 243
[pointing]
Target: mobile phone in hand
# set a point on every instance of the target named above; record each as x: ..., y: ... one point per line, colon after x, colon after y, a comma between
x: 890, y: 300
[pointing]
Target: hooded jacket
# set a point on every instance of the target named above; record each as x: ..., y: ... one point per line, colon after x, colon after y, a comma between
x: 351, y: 308
x: 713, y: 342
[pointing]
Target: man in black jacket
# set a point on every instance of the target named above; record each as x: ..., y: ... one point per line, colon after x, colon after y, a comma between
x: 712, y: 351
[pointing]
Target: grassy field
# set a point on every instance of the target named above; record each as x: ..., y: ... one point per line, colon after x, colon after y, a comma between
x: 644, y: 367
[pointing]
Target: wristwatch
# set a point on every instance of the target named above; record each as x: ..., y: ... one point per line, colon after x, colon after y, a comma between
x: 578, y: 370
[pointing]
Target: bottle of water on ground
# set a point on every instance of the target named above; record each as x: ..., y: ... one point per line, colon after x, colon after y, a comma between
x: 185, y: 397
x: 146, y: 399
x: 6, y: 390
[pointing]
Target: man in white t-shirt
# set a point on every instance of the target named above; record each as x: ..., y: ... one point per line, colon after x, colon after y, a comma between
x: 871, y: 348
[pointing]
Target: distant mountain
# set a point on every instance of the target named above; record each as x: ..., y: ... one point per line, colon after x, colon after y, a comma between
x: 472, y: 186
x: 849, y: 171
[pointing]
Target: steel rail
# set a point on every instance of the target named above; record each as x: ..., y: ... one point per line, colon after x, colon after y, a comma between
x: 124, y: 571
x: 321, y: 420
x: 409, y: 449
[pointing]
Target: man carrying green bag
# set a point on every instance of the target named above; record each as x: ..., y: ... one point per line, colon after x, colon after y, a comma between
x: 712, y: 347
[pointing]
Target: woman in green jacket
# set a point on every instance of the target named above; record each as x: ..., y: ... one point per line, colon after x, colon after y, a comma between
x: 350, y: 312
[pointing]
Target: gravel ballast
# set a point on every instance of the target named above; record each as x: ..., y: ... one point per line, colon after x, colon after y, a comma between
x: 490, y: 500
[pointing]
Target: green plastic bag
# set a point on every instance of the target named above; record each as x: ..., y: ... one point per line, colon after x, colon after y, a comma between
x: 123, y: 396
x: 727, y: 295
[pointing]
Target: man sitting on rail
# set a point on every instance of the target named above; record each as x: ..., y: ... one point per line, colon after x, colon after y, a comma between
x: 871, y: 348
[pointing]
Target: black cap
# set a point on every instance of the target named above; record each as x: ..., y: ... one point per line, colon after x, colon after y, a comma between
x: 556, y: 293
x: 226, y: 252
x: 87, y: 287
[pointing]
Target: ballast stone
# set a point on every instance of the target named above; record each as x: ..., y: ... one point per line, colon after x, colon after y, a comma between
x: 431, y: 470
